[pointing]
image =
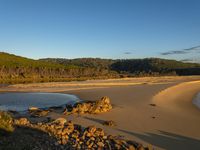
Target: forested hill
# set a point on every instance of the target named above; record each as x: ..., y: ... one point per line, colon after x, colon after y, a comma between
x: 134, y: 67
x: 14, y: 69
x: 156, y: 66
x: 83, y: 62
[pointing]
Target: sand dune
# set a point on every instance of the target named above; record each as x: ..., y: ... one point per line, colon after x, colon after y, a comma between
x: 178, y: 97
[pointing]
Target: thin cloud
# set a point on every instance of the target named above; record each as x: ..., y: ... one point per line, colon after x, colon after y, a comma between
x: 192, y: 48
x: 127, y: 53
x: 174, y: 52
x: 183, y: 51
x: 187, y: 60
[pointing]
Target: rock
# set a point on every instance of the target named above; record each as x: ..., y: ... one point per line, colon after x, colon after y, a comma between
x: 89, y: 143
x: 22, y: 121
x: 75, y: 136
x: 91, y: 129
x: 43, y: 113
x: 32, y: 109
x: 100, y: 144
x: 64, y: 139
x: 71, y: 136
x: 152, y: 104
x: 38, y: 112
x: 140, y: 148
x: 102, y: 105
x: 131, y: 147
x: 135, y: 144
x: 117, y: 146
x: 105, y: 137
x: 60, y: 121
x: 99, y: 132
x: 109, y: 123
x: 69, y: 128
x: 99, y: 106
x: 149, y: 147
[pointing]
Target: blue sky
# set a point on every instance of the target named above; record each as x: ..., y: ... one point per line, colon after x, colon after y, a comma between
x: 100, y: 28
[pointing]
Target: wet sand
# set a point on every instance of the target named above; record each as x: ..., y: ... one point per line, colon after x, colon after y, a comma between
x: 173, y: 123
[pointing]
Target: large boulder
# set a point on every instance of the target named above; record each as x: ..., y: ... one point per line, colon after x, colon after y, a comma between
x: 102, y: 105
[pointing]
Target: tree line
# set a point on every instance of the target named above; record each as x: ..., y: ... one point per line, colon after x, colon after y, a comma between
x: 14, y: 69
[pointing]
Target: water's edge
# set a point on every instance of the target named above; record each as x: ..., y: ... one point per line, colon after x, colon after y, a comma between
x: 196, y: 100
x: 22, y: 101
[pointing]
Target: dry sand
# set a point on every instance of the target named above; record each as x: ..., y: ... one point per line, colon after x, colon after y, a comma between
x: 172, y: 124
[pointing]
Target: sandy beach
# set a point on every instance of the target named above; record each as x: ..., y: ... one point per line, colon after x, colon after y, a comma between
x: 172, y: 123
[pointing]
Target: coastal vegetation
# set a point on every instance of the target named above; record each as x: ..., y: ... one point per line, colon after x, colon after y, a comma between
x: 5, y: 122
x: 16, y: 69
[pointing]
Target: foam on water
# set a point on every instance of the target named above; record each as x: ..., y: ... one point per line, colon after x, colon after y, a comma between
x: 22, y: 101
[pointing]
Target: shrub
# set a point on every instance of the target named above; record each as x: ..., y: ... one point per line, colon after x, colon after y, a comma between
x: 5, y: 122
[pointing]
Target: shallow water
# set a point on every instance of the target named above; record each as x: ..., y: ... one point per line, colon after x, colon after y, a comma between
x: 196, y: 100
x: 22, y: 101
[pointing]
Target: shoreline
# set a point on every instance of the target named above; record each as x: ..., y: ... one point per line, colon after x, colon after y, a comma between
x: 91, y: 84
x: 163, y: 127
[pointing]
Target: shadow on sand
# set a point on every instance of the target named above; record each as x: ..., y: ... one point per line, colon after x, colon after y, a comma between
x: 95, y: 120
x: 167, y: 140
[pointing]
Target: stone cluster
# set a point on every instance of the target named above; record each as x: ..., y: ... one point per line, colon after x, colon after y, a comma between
x: 99, y: 106
x: 72, y: 136
x: 36, y: 112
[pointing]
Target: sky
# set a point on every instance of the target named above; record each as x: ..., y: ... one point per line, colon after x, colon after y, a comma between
x: 114, y: 29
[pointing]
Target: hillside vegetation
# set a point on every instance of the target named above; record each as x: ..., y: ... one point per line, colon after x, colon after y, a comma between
x: 16, y: 69
x: 155, y: 66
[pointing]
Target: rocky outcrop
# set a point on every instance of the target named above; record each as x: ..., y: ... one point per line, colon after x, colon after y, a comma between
x: 36, y: 112
x: 21, y: 121
x: 99, y: 106
x: 72, y: 136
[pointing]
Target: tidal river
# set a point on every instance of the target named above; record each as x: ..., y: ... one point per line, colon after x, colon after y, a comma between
x: 22, y: 101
